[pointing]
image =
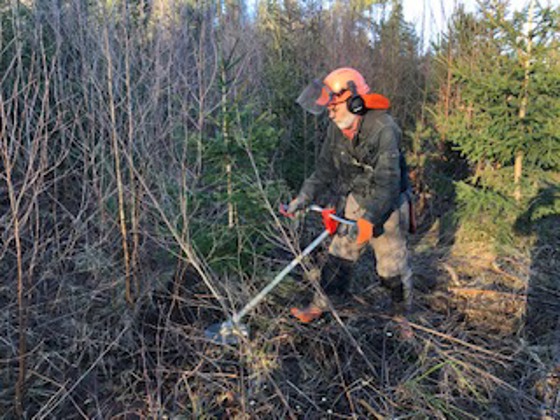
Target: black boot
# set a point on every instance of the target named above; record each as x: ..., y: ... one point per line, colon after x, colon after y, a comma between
x: 336, y: 276
x: 396, y: 289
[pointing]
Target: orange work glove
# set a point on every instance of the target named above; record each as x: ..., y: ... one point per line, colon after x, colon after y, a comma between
x: 365, y: 231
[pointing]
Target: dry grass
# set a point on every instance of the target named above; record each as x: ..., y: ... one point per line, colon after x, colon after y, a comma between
x: 92, y: 357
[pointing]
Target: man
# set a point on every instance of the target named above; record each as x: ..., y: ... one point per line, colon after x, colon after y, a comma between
x: 361, y: 160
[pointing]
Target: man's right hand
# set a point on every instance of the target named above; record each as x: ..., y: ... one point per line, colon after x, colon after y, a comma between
x: 297, y: 204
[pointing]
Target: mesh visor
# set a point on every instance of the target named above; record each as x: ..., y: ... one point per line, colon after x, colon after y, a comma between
x: 315, y: 97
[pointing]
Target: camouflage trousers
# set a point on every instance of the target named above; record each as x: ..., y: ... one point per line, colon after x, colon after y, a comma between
x: 390, y: 248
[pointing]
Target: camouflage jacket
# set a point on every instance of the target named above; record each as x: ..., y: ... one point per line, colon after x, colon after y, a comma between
x: 371, y: 166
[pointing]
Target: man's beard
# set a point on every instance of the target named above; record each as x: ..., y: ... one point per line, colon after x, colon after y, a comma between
x: 346, y: 123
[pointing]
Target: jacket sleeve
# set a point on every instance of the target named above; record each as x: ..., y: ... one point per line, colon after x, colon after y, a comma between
x: 386, y: 177
x: 325, y: 170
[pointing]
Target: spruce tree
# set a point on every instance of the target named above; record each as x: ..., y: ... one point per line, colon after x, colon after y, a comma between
x: 505, y: 96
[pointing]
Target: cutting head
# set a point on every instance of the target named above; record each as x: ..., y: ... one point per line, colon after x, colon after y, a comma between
x: 227, y: 332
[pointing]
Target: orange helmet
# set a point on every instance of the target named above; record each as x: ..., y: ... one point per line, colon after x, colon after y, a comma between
x: 339, y: 85
x: 337, y: 81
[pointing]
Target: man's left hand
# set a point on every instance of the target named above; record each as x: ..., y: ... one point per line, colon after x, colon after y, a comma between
x: 365, y: 231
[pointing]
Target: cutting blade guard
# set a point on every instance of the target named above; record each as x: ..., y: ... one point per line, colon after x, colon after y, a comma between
x: 227, y: 332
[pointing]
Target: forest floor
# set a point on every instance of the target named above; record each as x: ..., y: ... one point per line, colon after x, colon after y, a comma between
x: 486, y: 344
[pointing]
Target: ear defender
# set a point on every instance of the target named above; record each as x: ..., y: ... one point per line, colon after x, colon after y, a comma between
x: 355, y: 103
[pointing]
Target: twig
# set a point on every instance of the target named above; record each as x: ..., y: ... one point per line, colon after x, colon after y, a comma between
x: 454, y: 340
x: 518, y: 281
x: 304, y: 395
x: 488, y: 293
x: 50, y: 406
x: 452, y: 273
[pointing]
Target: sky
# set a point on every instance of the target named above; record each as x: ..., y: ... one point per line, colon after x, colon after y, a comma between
x: 429, y: 16
x: 438, y: 11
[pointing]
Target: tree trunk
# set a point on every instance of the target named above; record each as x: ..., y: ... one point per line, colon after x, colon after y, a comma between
x: 225, y: 129
x: 518, y: 165
x: 118, y: 171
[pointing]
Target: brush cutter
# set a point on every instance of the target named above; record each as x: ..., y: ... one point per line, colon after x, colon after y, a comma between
x: 230, y: 331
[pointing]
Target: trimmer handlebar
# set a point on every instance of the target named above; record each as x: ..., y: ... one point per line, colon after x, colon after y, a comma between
x: 315, y: 207
x: 318, y: 209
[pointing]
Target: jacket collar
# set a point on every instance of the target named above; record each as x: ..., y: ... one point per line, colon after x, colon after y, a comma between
x: 368, y: 124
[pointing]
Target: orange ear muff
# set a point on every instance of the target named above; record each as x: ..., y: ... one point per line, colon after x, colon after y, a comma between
x: 376, y: 101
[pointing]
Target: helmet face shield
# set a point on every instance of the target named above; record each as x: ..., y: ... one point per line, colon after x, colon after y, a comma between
x: 339, y: 86
x: 315, y: 97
